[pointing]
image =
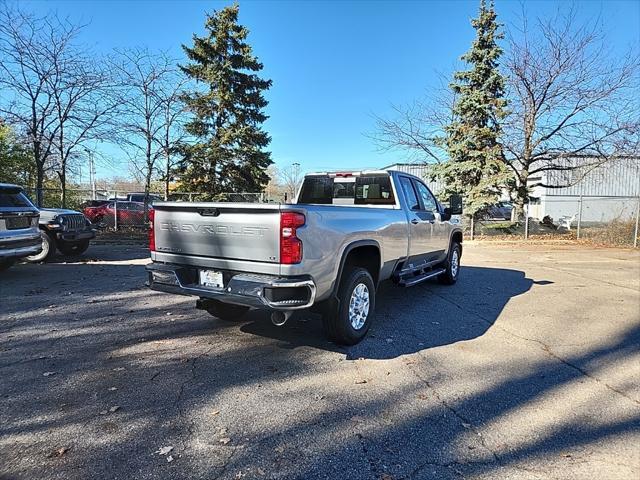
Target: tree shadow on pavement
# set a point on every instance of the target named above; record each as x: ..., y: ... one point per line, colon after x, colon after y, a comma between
x: 264, y: 402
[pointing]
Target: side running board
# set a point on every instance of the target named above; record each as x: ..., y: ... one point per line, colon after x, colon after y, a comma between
x: 410, y: 279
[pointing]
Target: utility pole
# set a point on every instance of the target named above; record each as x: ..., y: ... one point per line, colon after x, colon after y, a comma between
x: 296, y: 176
x: 92, y: 175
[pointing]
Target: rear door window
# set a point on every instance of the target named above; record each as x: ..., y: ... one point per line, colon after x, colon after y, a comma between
x: 410, y: 193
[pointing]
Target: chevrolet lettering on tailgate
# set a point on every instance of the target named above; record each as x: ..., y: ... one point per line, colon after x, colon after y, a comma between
x: 249, y: 231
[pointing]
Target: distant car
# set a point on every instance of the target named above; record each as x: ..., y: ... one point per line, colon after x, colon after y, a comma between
x: 499, y: 211
x: 128, y: 213
x: 67, y: 231
x: 19, y: 234
x: 139, y: 197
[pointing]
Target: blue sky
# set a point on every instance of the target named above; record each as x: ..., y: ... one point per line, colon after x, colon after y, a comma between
x: 333, y: 64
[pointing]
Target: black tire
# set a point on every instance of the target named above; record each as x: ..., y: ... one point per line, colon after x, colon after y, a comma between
x: 48, y: 249
x: 337, y: 323
x: 227, y: 311
x: 6, y: 264
x: 73, y: 248
x: 451, y: 273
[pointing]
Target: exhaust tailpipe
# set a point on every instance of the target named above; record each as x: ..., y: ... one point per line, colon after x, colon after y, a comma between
x: 280, y: 317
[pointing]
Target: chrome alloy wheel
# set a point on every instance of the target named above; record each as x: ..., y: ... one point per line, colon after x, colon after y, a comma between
x: 455, y: 263
x: 359, y: 306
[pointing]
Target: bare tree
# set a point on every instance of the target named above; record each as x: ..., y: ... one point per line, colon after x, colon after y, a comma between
x: 53, y: 90
x: 418, y: 128
x: 148, y: 111
x: 83, y: 109
x: 172, y: 131
x: 290, y: 179
x: 27, y: 72
x: 573, y: 104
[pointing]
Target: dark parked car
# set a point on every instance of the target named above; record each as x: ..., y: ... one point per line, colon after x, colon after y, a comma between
x: 499, y: 211
x: 19, y: 234
x: 139, y: 197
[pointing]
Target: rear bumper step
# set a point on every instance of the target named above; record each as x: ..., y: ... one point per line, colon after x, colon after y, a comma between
x: 258, y: 291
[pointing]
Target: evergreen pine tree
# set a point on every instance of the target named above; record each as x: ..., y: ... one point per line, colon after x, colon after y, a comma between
x: 475, y: 167
x: 229, y: 153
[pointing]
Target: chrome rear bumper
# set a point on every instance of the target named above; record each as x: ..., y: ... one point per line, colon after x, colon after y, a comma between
x: 252, y: 290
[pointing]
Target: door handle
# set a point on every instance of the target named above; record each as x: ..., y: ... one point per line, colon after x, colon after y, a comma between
x: 415, y: 221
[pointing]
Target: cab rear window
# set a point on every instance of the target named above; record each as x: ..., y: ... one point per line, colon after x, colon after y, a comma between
x: 361, y: 190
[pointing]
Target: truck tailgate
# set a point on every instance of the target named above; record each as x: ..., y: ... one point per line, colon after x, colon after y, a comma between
x: 237, y: 231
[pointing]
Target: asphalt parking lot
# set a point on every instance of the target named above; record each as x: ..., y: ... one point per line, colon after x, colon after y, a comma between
x: 529, y: 367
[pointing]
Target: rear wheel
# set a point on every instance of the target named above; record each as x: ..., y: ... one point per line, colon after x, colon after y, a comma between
x: 349, y: 322
x: 227, y: 311
x: 73, y: 248
x: 451, y: 265
x: 48, y: 249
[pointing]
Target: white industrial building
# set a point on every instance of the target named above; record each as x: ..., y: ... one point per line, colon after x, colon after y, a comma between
x: 602, y: 194
x: 596, y: 195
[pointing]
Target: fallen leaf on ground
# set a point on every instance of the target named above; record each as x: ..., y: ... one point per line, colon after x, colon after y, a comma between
x: 118, y: 369
x: 58, y: 452
x: 279, y: 449
x: 115, y: 408
x: 48, y: 374
x: 359, y: 382
x: 164, y: 450
x: 423, y: 396
x: 103, y: 412
x: 215, y: 412
x: 466, y: 425
x: 261, y: 472
x: 224, y: 440
x: 113, y: 389
x: 169, y: 458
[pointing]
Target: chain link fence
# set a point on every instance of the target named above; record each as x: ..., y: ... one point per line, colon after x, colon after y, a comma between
x: 603, y: 220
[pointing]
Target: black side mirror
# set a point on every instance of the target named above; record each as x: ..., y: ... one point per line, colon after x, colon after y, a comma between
x: 455, y: 205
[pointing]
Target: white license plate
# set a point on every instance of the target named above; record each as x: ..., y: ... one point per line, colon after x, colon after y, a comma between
x: 211, y: 278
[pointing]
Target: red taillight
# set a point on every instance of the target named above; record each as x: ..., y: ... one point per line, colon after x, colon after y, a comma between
x: 152, y: 232
x: 290, y: 244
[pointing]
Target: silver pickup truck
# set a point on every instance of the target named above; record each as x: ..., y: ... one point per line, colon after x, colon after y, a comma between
x: 328, y: 251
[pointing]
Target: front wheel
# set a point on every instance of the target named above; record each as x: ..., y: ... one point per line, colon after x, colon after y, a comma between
x: 48, y: 249
x: 452, y: 265
x: 73, y: 248
x: 350, y: 321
